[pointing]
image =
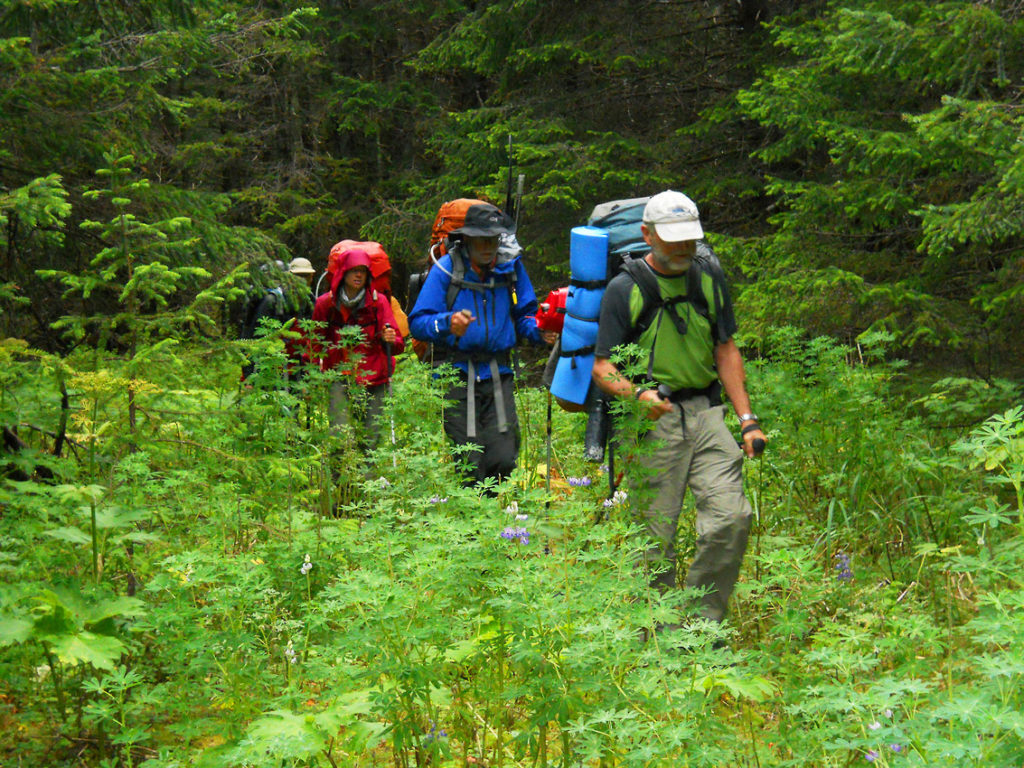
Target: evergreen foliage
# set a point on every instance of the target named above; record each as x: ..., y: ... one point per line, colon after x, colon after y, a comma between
x: 892, y: 149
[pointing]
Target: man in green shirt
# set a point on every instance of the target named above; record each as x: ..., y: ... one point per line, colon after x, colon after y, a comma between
x: 692, y: 359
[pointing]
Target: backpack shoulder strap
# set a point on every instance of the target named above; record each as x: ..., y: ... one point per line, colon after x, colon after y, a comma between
x: 458, y: 278
x: 706, y: 262
x: 649, y: 292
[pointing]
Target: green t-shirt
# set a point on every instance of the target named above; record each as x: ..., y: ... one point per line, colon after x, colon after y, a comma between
x: 682, y: 339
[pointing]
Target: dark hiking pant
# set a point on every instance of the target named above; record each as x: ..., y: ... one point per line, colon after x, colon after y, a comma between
x: 498, y: 450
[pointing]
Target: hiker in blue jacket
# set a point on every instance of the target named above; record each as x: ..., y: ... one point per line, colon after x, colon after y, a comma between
x: 476, y: 303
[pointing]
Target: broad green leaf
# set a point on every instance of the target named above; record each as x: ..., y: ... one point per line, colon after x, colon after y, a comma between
x: 69, y: 534
x: 14, y: 630
x: 285, y: 736
x: 101, y: 651
x: 113, y: 607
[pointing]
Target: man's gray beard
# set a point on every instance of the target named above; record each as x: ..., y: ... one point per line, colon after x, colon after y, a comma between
x: 667, y: 265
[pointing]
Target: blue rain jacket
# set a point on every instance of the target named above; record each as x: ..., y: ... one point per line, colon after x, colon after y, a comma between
x: 498, y: 325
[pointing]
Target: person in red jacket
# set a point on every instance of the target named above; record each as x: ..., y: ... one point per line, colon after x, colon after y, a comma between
x: 369, y: 362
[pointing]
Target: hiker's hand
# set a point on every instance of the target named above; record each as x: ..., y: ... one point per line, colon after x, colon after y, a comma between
x: 656, y: 406
x: 748, y: 443
x: 389, y: 335
x: 550, y: 337
x: 460, y: 322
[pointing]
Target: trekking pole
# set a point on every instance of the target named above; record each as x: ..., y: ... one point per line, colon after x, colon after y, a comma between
x: 613, y: 481
x: 391, y: 414
x: 758, y: 445
x: 757, y: 499
x: 547, y: 470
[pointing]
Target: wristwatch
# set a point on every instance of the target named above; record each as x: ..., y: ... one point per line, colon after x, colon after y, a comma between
x: 748, y: 417
x: 639, y: 391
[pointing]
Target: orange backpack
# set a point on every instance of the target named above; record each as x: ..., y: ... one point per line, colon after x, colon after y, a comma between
x: 380, y: 264
x: 380, y: 274
x: 451, y: 215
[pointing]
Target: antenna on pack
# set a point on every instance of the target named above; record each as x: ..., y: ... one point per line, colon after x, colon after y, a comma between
x: 509, y: 199
x: 513, y: 202
x: 519, y: 198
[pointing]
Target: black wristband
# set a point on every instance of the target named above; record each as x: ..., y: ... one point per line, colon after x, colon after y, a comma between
x: 750, y: 428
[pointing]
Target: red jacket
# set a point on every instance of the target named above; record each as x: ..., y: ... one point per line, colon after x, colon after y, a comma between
x: 372, y: 316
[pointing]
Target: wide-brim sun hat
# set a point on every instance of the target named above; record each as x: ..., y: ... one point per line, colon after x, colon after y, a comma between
x: 301, y: 266
x: 485, y: 220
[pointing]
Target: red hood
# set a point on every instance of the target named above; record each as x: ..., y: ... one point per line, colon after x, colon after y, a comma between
x: 380, y: 264
x: 349, y: 259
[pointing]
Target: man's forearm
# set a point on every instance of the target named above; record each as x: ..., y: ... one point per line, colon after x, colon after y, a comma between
x: 609, y: 380
x: 729, y: 363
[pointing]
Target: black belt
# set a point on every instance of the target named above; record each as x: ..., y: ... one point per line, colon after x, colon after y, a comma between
x: 712, y: 391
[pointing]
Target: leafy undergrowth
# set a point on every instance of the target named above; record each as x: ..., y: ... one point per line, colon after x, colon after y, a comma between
x: 221, y: 581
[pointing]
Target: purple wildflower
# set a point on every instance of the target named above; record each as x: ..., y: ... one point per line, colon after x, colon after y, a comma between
x: 580, y: 482
x: 896, y: 748
x: 843, y: 572
x: 871, y: 756
x: 434, y: 734
x: 435, y: 499
x: 516, y: 533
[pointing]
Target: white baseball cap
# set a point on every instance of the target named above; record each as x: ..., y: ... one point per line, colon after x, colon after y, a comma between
x: 674, y: 217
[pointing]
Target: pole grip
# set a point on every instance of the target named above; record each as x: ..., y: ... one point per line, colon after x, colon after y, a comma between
x: 758, y: 446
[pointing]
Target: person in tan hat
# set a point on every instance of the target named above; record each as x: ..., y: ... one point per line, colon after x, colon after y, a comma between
x: 286, y: 304
x: 692, y: 358
x: 302, y: 268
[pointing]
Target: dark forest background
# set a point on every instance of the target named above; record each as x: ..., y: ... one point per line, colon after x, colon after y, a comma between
x: 858, y: 164
x: 200, y: 571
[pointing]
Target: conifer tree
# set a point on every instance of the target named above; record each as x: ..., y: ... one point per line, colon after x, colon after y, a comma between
x: 893, y: 154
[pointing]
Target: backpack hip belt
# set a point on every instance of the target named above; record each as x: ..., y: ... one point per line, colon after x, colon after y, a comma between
x: 712, y: 391
x: 492, y: 362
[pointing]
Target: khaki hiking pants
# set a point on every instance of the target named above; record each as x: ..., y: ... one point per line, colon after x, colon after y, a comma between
x: 692, y: 447
x: 358, y: 406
